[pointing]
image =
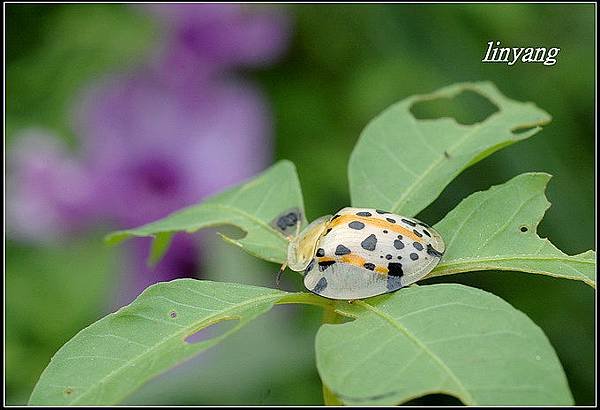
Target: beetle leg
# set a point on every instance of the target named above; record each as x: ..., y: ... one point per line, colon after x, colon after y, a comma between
x: 279, y: 273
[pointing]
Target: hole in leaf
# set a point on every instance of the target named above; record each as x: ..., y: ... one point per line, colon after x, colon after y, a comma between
x: 524, y: 228
x: 69, y: 391
x: 466, y: 108
x: 173, y: 314
x: 521, y: 130
x: 232, y: 232
x: 434, y: 400
x: 214, y: 330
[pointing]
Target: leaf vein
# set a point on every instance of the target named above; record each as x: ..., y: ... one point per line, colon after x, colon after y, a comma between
x: 176, y: 335
x: 467, y: 396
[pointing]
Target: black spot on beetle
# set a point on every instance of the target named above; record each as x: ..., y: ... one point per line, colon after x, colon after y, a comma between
x: 411, y: 223
x: 400, y: 237
x: 384, y: 231
x: 325, y: 264
x: 335, y: 217
x: 320, y: 252
x: 423, y: 224
x: 388, y: 256
x: 369, y: 243
x: 380, y: 212
x: 321, y: 285
x: 328, y: 230
x: 395, y: 269
x: 369, y: 266
x: 310, y: 266
x: 356, y: 225
x: 419, y: 234
x: 398, y: 244
x: 414, y: 256
x: 433, y: 252
x: 363, y: 213
x: 418, y: 246
x: 390, y: 220
x: 342, y: 250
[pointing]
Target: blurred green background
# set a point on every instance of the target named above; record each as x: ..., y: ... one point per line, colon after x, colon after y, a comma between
x: 346, y: 63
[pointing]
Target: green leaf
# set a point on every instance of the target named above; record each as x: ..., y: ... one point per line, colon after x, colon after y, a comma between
x: 112, y: 357
x: 496, y: 230
x: 251, y: 206
x: 443, y: 338
x: 159, y: 247
x: 402, y: 164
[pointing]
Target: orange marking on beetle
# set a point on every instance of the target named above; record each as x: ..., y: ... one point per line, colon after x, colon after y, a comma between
x: 353, y: 260
x: 380, y: 223
x: 326, y: 259
x: 381, y: 269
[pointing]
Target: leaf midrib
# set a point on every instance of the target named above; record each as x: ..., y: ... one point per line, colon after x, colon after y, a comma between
x: 196, y: 227
x: 175, y: 335
x: 566, y: 258
x: 468, y: 399
x: 439, y: 270
x: 245, y: 214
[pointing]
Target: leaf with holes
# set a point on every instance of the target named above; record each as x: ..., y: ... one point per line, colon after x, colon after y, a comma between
x: 496, y: 230
x: 442, y: 338
x: 402, y: 164
x: 251, y: 207
x: 112, y: 357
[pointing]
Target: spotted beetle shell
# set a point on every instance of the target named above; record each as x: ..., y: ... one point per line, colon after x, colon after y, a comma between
x: 364, y: 252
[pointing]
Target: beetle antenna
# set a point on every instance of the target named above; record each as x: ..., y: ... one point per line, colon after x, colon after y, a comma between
x: 298, y: 227
x: 289, y: 238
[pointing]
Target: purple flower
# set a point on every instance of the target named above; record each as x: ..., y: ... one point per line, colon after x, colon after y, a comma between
x: 156, y: 139
x: 153, y: 149
x: 48, y: 192
x: 210, y: 38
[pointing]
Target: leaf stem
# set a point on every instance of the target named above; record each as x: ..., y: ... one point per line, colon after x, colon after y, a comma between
x: 307, y: 299
x: 330, y: 316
